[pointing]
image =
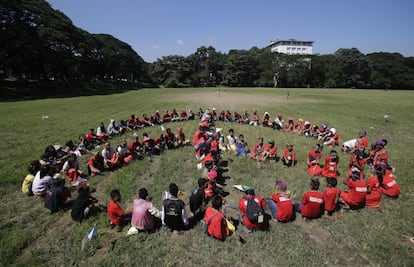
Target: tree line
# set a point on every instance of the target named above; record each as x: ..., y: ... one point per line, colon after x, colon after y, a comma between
x: 42, y: 44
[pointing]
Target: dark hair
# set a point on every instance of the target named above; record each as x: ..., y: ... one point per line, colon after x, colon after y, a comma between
x: 250, y: 192
x: 83, y: 192
x: 201, y: 182
x: 173, y: 189
x: 143, y: 193
x: 217, y: 202
x: 314, y: 184
x: 332, y: 181
x: 115, y: 193
x: 34, y: 167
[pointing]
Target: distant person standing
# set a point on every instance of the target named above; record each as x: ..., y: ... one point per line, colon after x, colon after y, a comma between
x: 287, y: 95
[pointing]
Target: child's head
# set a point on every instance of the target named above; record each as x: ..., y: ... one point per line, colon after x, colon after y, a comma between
x: 271, y: 142
x: 173, y: 189
x: 241, y: 137
x: 217, y: 202
x: 331, y: 182
x: 115, y: 195
x: 34, y: 167
x: 231, y: 131
x: 143, y: 193
x: 84, y: 192
x: 314, y: 184
x: 281, y: 185
x: 202, y: 183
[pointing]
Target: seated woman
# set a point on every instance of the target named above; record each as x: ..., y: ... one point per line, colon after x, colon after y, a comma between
x: 389, y: 186
x: 33, y: 168
x: 43, y: 180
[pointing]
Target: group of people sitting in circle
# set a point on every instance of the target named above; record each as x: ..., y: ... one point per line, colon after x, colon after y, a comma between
x: 364, y: 188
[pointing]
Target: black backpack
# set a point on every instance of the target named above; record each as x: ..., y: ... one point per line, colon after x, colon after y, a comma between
x: 54, y: 198
x: 254, y: 212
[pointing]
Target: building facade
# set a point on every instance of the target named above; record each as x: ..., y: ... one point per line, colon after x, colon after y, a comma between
x: 291, y: 47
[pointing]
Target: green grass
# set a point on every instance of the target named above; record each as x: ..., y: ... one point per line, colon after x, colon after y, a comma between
x: 31, y: 236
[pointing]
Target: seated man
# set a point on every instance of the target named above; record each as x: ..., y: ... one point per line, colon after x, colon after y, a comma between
x: 174, y: 214
x: 311, y: 206
x: 252, y: 212
x: 214, y: 218
x: 145, y: 216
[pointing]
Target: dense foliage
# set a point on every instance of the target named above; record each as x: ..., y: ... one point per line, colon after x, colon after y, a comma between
x: 42, y: 44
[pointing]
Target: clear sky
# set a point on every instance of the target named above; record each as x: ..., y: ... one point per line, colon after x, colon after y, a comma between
x: 156, y: 28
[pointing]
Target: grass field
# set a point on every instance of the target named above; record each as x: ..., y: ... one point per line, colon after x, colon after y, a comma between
x: 30, y: 236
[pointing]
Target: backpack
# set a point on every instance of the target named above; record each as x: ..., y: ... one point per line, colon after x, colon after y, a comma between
x: 56, y: 195
x: 254, y: 212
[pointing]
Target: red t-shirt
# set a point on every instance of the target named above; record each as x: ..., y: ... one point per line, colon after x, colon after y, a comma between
x: 284, y: 207
x: 389, y: 186
x: 115, y: 213
x: 357, y: 191
x: 314, y: 154
x: 373, y: 199
x: 289, y: 155
x: 312, y: 204
x: 217, y: 226
x: 330, y: 198
x: 330, y: 168
x: 242, y: 208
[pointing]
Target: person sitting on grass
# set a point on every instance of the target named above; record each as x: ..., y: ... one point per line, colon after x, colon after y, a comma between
x: 332, y: 139
x: 389, y: 186
x: 215, y: 220
x: 257, y: 149
x: 231, y: 141
x: 111, y: 157
x: 257, y: 222
x: 198, y: 200
x: 331, y: 198
x: 311, y: 206
x: 269, y: 151
x: 278, y: 123
x: 374, y: 194
x: 289, y: 156
x: 84, y: 204
x: 174, y: 213
x: 241, y: 146
x: 43, y: 180
x: 331, y: 165
x: 117, y: 216
x: 96, y: 164
x: 280, y: 204
x: 33, y: 168
x: 71, y: 170
x: 316, y: 152
x: 355, y: 197
x: 145, y: 217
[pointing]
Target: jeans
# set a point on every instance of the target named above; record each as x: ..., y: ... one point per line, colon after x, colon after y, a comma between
x: 272, y: 207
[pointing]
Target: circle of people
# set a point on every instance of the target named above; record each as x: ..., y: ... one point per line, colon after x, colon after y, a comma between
x: 46, y: 177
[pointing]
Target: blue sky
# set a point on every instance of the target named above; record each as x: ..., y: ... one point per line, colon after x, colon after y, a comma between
x: 156, y: 28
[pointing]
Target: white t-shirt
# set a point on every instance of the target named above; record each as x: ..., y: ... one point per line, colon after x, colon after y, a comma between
x: 40, y: 185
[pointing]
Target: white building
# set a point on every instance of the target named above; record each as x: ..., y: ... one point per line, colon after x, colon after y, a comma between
x: 291, y: 47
